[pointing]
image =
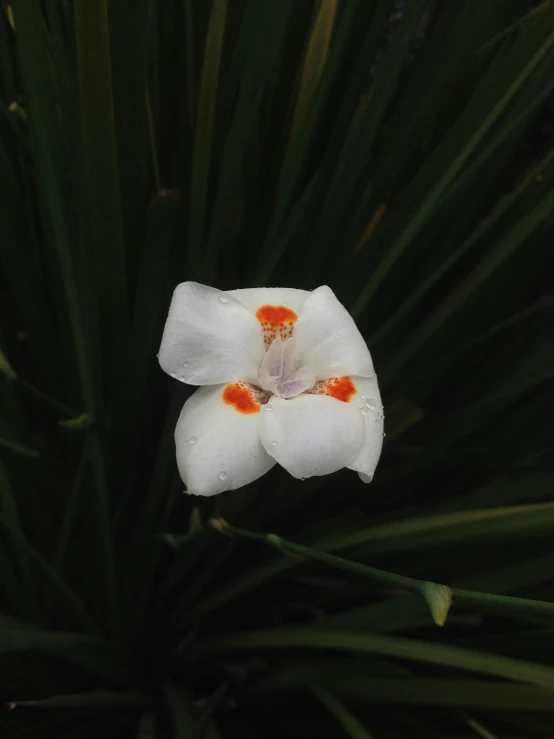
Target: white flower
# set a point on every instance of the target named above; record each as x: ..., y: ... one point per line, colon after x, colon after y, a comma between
x: 287, y: 378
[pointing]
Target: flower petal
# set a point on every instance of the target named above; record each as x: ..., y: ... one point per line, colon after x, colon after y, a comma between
x: 217, y: 441
x: 210, y: 337
x: 368, y: 400
x: 311, y: 434
x: 254, y: 297
x: 328, y: 340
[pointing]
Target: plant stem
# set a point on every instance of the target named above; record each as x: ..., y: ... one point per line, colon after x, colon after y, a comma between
x: 411, y: 584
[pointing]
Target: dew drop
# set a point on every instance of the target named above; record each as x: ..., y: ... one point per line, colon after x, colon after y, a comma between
x: 222, y: 475
x: 173, y: 374
x: 274, y: 443
x: 363, y: 397
x: 185, y: 364
x: 337, y: 336
x: 365, y: 411
x: 192, y: 440
x: 267, y: 408
x: 370, y: 402
x: 223, y: 299
x: 158, y: 354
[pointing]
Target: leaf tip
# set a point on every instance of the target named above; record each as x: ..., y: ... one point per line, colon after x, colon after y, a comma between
x: 439, y: 599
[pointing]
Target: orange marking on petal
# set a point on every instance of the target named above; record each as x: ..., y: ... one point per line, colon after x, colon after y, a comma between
x: 276, y: 319
x: 341, y: 388
x: 238, y: 395
x: 275, y: 315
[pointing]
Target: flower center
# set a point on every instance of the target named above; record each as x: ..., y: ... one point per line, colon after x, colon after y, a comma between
x: 279, y: 372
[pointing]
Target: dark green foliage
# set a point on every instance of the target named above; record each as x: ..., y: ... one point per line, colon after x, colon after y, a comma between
x: 401, y: 153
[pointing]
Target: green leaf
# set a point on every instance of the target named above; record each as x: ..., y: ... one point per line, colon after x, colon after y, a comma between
x: 147, y: 726
x: 427, y: 208
x: 357, y: 682
x: 77, y: 424
x: 411, y: 650
x: 28, y: 553
x: 6, y: 368
x: 315, y: 58
x: 204, y: 126
x: 94, y: 699
x: 351, y: 725
x: 439, y: 600
x: 181, y: 712
x: 48, y: 156
x: 105, y: 226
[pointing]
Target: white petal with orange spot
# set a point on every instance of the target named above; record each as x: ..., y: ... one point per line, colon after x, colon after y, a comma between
x: 254, y: 297
x: 217, y: 440
x: 289, y: 379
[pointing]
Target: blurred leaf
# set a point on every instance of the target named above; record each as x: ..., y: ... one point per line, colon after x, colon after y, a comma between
x: 147, y: 726
x: 408, y: 649
x: 11, y: 439
x: 103, y: 195
x: 357, y: 683
x: 204, y: 126
x: 77, y: 424
x: 180, y: 712
x: 48, y: 155
x: 351, y: 725
x: 96, y: 699
x: 5, y: 367
x: 317, y: 50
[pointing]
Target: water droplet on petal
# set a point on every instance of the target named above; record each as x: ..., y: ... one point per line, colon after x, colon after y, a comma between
x: 365, y: 411
x: 222, y: 475
x: 223, y: 299
x: 370, y: 402
x: 363, y: 397
x: 337, y: 336
x: 274, y: 443
x: 185, y: 364
x: 192, y: 440
x: 173, y: 374
x: 158, y: 354
x: 267, y: 407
